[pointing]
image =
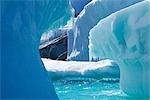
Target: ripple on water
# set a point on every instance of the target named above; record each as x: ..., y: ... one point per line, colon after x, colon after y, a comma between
x: 89, y: 89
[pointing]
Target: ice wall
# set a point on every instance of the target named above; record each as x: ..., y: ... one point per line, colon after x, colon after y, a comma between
x: 88, y: 18
x: 125, y: 37
x: 23, y: 75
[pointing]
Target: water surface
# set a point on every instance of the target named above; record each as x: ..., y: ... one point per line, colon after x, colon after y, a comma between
x: 90, y: 89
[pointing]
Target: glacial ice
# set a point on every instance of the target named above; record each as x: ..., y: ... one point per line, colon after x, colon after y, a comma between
x: 65, y: 69
x: 22, y: 74
x: 124, y: 37
x: 93, y: 12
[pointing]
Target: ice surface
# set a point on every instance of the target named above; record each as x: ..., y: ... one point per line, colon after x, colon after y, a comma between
x: 64, y: 69
x: 23, y: 75
x: 124, y: 37
x: 88, y: 18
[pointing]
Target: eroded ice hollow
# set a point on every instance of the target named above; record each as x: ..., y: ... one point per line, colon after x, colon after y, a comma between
x: 91, y: 14
x: 23, y: 75
x: 125, y: 37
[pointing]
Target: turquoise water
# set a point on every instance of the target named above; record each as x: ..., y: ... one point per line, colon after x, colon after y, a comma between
x: 90, y: 89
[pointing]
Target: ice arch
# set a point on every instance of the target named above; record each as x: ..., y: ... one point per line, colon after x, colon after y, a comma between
x: 91, y: 14
x: 125, y: 37
x: 23, y: 75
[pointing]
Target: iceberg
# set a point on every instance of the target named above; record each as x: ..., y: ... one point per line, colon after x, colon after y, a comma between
x: 97, y: 70
x: 91, y: 14
x: 53, y: 43
x: 55, y: 33
x: 23, y: 75
x: 51, y: 35
x: 55, y: 48
x: 124, y: 37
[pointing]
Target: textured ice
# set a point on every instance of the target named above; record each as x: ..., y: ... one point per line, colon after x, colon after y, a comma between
x: 88, y: 18
x: 23, y: 75
x: 64, y: 69
x: 124, y: 37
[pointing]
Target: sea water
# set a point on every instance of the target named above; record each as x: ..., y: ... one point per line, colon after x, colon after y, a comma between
x: 90, y: 89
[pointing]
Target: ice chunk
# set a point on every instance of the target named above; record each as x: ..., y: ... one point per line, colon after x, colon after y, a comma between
x: 88, y: 18
x: 22, y: 22
x: 64, y: 69
x: 124, y: 37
